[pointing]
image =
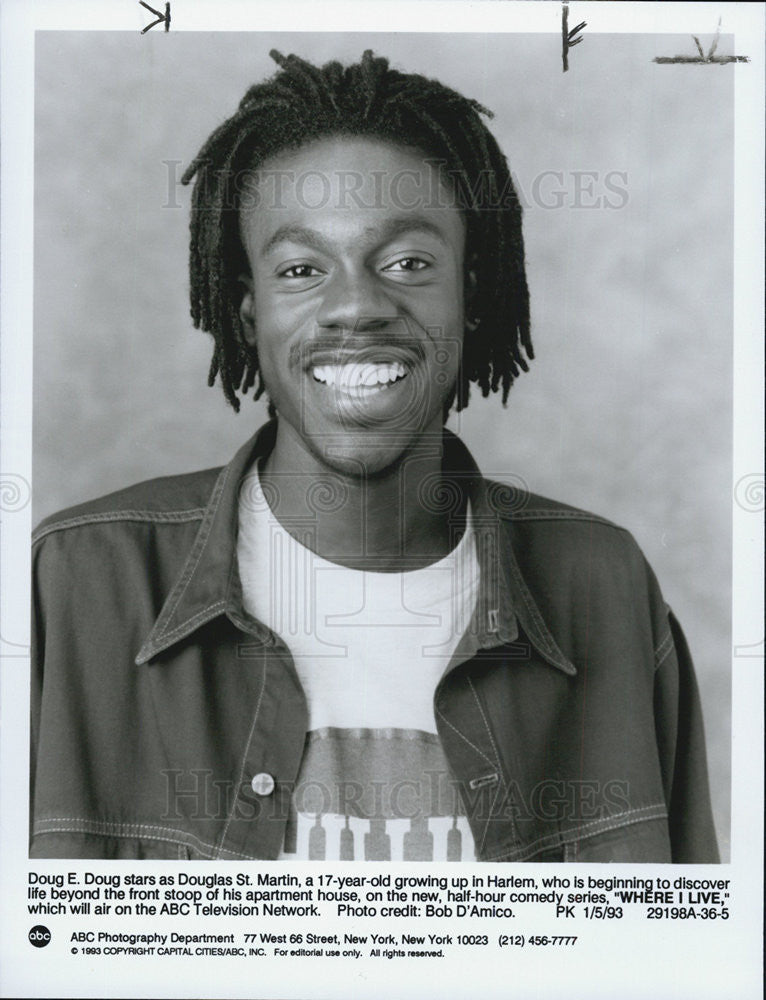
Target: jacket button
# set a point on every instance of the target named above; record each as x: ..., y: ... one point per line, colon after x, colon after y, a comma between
x: 262, y: 784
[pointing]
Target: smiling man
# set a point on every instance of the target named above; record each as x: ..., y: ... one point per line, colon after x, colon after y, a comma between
x: 348, y: 644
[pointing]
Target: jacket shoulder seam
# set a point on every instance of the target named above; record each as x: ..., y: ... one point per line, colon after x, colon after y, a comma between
x: 103, y: 517
x: 545, y: 514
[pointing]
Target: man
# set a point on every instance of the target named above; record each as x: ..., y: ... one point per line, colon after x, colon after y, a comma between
x: 347, y: 643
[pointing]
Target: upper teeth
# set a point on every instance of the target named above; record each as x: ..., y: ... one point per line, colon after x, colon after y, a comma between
x: 355, y: 375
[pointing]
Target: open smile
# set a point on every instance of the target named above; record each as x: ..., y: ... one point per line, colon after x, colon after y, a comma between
x: 361, y: 378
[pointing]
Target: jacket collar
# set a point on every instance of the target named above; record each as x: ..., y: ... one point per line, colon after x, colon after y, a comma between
x: 209, y: 586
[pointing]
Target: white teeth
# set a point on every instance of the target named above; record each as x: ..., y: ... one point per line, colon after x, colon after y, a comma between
x: 325, y: 373
x: 354, y: 376
x: 350, y: 376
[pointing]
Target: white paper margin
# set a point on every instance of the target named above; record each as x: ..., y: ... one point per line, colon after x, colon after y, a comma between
x: 672, y: 965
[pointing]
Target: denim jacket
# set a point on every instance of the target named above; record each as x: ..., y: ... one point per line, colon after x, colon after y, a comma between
x: 169, y: 723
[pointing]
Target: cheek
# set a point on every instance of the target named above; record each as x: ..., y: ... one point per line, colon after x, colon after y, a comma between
x: 277, y: 324
x: 446, y: 324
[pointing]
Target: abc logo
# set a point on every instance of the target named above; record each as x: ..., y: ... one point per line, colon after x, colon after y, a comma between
x: 39, y: 936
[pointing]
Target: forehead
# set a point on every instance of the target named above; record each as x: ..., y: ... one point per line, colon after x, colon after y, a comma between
x: 348, y: 183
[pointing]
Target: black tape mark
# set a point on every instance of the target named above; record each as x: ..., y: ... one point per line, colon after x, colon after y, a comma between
x: 160, y: 17
x: 702, y: 59
x: 568, y: 39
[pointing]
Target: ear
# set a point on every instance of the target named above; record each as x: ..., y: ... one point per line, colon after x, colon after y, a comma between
x: 247, y: 308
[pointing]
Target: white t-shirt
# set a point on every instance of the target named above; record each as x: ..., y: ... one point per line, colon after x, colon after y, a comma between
x: 369, y: 649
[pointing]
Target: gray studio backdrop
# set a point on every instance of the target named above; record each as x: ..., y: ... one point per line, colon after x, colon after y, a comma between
x: 626, y: 171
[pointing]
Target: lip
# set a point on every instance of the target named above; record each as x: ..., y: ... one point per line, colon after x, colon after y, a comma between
x: 408, y: 356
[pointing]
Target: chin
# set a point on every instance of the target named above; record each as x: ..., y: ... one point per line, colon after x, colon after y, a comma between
x: 370, y: 453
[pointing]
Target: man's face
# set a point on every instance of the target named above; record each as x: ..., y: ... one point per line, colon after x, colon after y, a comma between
x: 354, y: 298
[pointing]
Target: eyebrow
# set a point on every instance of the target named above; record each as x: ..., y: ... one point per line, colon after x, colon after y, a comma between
x: 297, y: 234
x: 293, y: 233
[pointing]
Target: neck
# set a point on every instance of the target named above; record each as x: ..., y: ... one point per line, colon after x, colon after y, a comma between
x: 401, y: 518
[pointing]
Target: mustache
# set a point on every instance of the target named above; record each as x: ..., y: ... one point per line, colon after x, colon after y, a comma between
x: 355, y: 349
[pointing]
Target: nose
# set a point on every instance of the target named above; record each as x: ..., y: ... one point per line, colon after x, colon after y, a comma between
x: 355, y: 300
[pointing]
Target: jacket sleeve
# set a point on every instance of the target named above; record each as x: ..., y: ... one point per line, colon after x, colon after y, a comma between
x: 681, y: 743
x: 37, y: 642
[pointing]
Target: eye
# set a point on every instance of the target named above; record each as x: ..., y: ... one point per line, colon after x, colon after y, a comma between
x: 407, y: 264
x: 300, y: 271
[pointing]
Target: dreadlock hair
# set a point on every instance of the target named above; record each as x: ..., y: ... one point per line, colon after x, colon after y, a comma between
x: 302, y: 103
